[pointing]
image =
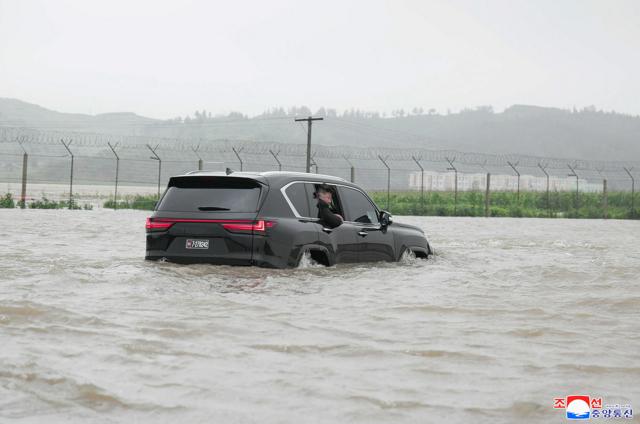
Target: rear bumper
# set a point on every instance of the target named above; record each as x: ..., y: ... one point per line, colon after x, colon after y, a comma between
x: 192, y: 259
x: 173, y: 246
x: 265, y: 261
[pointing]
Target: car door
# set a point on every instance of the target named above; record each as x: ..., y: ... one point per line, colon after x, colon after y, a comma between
x: 375, y: 243
x: 342, y: 240
x: 303, y: 231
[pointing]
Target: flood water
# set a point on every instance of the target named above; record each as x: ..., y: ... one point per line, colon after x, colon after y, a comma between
x: 510, y: 314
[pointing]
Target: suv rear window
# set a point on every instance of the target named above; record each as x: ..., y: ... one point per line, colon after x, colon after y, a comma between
x: 211, y: 194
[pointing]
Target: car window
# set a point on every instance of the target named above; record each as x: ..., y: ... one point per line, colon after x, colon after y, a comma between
x: 311, y: 199
x: 297, y: 195
x: 206, y: 194
x: 336, y: 205
x: 357, y: 206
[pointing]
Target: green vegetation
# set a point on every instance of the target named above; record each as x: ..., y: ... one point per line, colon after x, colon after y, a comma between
x: 503, y: 204
x: 470, y: 203
x: 45, y: 203
x: 146, y: 202
x: 7, y: 201
x: 507, y: 204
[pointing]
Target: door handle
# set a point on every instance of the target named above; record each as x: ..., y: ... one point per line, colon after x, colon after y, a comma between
x: 327, y: 230
x: 363, y: 233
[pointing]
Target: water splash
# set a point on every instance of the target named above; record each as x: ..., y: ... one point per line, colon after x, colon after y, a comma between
x: 306, y: 261
x: 408, y: 257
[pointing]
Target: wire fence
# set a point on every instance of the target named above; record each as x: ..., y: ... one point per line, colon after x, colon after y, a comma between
x: 31, y: 160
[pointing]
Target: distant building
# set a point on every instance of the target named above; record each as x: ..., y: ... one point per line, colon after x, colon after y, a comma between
x: 445, y: 181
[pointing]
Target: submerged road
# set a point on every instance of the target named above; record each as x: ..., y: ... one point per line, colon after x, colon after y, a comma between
x: 509, y: 315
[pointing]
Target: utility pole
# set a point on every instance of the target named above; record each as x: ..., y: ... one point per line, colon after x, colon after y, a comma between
x: 66, y: 146
x: 115, y: 193
x: 309, y: 122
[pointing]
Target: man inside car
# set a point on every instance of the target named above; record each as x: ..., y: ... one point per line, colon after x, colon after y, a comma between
x: 326, y: 210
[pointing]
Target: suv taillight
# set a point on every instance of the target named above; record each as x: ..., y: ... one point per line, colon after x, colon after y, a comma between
x: 233, y: 225
x: 157, y: 225
x: 259, y: 226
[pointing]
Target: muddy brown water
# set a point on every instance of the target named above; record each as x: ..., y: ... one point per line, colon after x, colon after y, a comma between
x: 510, y: 314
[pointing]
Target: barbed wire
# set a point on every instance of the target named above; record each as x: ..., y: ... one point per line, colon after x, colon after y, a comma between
x: 45, y: 143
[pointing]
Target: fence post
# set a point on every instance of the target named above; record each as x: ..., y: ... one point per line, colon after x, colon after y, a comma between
x: 513, y: 166
x: 421, y: 182
x: 605, y: 200
x: 25, y: 162
x: 353, y: 169
x: 633, y: 191
x: 66, y: 146
x: 487, y: 200
x: 574, y: 174
x: 23, y: 192
x: 115, y: 193
x: 388, y: 180
x: 237, y: 152
x: 313, y: 162
x: 455, y: 193
x: 195, y: 151
x: 156, y: 157
x: 275, y: 156
x: 544, y: 169
x: 605, y: 195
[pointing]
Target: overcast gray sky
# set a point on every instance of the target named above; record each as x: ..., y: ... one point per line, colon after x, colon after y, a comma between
x: 169, y: 58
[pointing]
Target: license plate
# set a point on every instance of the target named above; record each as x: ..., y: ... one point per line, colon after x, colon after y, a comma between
x: 197, y: 244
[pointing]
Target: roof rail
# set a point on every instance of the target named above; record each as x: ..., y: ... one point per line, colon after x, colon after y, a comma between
x: 305, y: 174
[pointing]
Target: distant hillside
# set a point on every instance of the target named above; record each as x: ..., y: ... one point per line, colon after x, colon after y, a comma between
x: 22, y: 114
x: 583, y: 134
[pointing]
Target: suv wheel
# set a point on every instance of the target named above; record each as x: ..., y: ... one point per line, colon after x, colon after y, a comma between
x: 312, y: 258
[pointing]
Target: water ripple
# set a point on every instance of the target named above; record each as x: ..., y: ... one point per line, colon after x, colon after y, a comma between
x: 508, y: 315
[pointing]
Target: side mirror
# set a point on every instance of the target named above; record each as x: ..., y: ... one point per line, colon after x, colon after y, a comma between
x: 385, y: 219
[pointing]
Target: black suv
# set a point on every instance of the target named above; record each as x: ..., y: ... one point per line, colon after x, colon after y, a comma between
x: 270, y: 219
